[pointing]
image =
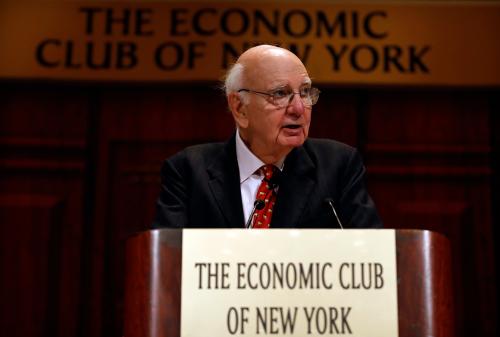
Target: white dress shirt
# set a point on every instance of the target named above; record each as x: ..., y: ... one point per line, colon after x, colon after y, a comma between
x: 250, y: 175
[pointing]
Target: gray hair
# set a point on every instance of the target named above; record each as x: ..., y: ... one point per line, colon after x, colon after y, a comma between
x: 234, y: 81
x: 234, y: 78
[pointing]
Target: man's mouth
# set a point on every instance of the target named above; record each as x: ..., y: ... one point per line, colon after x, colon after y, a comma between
x: 291, y: 126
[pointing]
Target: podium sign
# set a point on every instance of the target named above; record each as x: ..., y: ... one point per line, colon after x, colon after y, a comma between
x: 289, y: 283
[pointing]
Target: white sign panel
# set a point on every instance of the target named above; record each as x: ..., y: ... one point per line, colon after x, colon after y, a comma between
x: 289, y: 283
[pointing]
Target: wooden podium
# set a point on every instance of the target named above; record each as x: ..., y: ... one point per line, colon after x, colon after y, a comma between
x: 153, y: 284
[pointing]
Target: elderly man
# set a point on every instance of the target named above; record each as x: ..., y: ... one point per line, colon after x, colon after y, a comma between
x: 269, y: 174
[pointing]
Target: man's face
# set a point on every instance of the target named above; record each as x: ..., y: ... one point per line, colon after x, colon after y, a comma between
x: 273, y: 130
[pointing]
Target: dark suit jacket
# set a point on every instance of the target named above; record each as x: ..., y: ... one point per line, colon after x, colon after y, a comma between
x: 201, y: 188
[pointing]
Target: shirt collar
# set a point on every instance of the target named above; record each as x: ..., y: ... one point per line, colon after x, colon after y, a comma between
x: 248, y: 163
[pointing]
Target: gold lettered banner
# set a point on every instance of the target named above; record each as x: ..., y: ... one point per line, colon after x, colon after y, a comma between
x: 429, y: 43
x: 289, y: 283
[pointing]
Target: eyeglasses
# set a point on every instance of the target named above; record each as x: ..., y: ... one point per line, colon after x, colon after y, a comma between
x: 281, y: 97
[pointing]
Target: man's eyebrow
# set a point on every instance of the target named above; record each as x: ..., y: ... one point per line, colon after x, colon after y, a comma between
x: 306, y: 81
x: 280, y: 86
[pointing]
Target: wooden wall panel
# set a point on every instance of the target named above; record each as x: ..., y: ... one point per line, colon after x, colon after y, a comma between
x: 30, y: 226
x: 42, y: 173
x: 43, y: 114
x: 428, y: 157
x: 434, y: 117
x: 495, y: 196
x: 44, y: 182
x: 95, y: 153
x: 336, y: 115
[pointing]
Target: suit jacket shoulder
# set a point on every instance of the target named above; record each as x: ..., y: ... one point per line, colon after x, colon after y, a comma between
x: 320, y: 171
x: 200, y: 188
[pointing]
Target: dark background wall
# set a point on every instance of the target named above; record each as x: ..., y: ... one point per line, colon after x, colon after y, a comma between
x: 79, y: 173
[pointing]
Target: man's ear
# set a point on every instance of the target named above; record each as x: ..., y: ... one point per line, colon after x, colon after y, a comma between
x: 238, y: 109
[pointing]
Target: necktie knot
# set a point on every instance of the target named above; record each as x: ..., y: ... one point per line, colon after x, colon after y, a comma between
x: 268, y: 171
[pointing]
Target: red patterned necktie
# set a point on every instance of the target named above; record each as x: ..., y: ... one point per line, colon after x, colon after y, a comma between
x: 267, y: 193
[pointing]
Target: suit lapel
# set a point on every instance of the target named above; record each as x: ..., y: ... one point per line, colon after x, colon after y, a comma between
x: 224, y: 181
x: 296, y: 185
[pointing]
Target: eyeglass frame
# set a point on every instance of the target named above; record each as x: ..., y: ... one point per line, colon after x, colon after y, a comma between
x: 291, y: 94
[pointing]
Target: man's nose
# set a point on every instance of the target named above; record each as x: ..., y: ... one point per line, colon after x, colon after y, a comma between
x: 296, y: 105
